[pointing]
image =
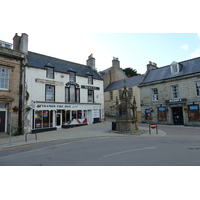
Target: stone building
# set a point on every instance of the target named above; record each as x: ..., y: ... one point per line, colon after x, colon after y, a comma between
x: 112, y: 74
x: 114, y: 90
x: 171, y: 94
x: 11, y: 64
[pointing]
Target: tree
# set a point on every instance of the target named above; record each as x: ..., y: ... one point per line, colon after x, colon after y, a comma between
x: 130, y: 72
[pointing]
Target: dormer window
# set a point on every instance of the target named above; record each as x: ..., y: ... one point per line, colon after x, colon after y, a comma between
x: 90, y: 80
x: 49, y: 71
x: 175, y: 68
x: 72, y: 76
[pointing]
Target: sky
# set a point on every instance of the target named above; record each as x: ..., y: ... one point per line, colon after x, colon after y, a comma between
x: 134, y: 32
x: 134, y: 50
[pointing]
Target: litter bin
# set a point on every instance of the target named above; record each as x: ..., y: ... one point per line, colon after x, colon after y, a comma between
x: 113, y: 126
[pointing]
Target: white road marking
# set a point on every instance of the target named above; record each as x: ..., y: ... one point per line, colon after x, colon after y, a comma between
x: 113, y: 154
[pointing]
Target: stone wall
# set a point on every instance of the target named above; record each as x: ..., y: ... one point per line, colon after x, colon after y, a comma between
x: 12, y: 60
x: 187, y: 90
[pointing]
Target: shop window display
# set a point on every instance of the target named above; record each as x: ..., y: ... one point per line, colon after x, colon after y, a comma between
x: 162, y: 114
x: 148, y: 114
x: 43, y: 119
x: 193, y: 112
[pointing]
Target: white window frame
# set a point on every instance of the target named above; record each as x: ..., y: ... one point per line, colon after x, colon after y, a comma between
x: 90, y: 96
x: 90, y: 80
x: 175, y: 68
x: 72, y: 76
x: 197, y: 85
x: 111, y: 95
x: 50, y: 72
x: 112, y: 110
x: 49, y: 93
x: 154, y: 94
x: 175, y: 91
x: 4, y: 78
x: 131, y: 91
x: 119, y: 93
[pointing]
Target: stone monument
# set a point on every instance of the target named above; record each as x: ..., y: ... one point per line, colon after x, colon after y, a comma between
x: 126, y: 112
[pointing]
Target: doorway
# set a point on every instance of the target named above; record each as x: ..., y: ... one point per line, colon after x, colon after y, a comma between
x: 58, y: 120
x: 177, y: 115
x: 2, y: 121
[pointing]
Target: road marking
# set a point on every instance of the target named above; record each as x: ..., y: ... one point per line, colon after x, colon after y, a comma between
x: 113, y: 154
x: 43, y: 148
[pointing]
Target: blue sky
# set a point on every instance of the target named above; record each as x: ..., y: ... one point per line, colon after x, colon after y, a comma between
x: 134, y: 31
x: 134, y: 50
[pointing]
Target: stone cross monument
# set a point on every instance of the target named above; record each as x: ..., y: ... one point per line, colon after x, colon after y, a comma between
x: 126, y: 113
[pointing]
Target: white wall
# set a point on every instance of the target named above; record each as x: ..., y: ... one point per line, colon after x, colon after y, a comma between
x: 36, y: 80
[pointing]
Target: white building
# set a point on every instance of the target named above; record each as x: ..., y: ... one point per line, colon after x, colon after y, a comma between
x: 61, y: 93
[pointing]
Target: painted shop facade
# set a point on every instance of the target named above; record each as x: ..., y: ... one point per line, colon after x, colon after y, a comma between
x: 59, y: 93
x: 62, y: 93
x: 171, y: 94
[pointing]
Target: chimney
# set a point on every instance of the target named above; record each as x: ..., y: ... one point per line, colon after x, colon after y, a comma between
x: 16, y: 41
x: 115, y: 62
x: 151, y: 66
x: 91, y: 62
x: 21, y: 43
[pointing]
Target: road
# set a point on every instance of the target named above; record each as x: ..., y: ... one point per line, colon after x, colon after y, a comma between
x: 179, y: 147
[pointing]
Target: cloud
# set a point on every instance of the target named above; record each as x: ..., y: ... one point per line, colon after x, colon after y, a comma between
x: 198, y: 34
x: 196, y: 53
x: 185, y: 47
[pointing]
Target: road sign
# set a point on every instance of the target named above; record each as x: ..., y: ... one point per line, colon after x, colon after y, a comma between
x: 153, y: 126
x: 11, y: 110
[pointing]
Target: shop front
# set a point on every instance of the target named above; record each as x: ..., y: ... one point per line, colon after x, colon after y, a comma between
x: 50, y: 116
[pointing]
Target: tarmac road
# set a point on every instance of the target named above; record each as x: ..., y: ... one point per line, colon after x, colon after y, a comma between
x: 108, y: 151
x: 96, y: 145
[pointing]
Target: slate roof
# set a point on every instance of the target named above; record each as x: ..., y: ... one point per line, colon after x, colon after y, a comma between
x: 188, y: 67
x: 132, y: 81
x: 40, y: 61
x: 105, y: 71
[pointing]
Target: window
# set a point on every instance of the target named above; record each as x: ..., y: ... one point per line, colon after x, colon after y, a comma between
x: 198, y: 89
x: 49, y: 72
x: 175, y: 93
x: 90, y: 80
x: 131, y: 91
x: 4, y: 78
x: 72, y: 76
x: 43, y: 119
x: 162, y: 114
x: 112, y: 110
x: 90, y: 96
x: 72, y: 94
x: 175, y: 67
x: 148, y: 114
x: 119, y: 94
x: 50, y: 93
x: 154, y: 94
x: 111, y: 95
x: 193, y: 112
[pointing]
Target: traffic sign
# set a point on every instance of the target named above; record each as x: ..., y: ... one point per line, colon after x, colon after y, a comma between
x: 153, y: 125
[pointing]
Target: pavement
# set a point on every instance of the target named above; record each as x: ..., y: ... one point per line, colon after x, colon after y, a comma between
x: 102, y: 129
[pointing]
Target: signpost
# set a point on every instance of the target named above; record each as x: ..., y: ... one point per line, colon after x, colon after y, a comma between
x: 153, y: 126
